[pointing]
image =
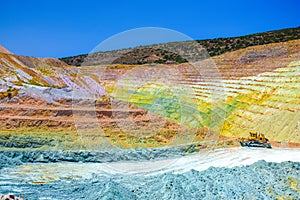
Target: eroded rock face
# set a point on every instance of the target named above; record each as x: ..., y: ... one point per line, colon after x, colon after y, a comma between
x: 9, y: 197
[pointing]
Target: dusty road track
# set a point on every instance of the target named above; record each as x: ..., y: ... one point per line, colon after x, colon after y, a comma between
x: 228, y: 157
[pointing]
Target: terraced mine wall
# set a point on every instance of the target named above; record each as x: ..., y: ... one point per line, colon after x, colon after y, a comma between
x: 258, y: 86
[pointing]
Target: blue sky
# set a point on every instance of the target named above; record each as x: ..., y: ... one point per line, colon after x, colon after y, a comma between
x: 64, y: 28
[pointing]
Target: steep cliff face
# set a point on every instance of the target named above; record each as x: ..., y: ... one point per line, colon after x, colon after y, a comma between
x: 259, y: 87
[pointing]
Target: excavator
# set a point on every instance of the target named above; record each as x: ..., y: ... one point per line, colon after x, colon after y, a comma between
x: 255, y: 140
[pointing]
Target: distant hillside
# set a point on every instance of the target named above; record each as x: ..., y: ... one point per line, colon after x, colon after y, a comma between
x: 155, y: 54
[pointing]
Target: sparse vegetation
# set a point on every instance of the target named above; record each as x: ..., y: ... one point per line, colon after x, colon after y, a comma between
x: 11, y: 92
x: 159, y: 53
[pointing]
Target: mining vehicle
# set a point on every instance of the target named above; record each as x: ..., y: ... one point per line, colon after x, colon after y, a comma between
x: 255, y: 140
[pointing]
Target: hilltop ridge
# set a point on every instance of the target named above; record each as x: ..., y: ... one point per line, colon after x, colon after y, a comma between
x: 156, y: 54
x: 4, y: 50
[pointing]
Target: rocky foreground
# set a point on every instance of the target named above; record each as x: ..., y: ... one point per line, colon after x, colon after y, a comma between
x: 212, y: 175
x: 261, y: 180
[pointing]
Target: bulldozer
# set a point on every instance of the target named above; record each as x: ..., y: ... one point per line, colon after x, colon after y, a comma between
x: 255, y: 140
